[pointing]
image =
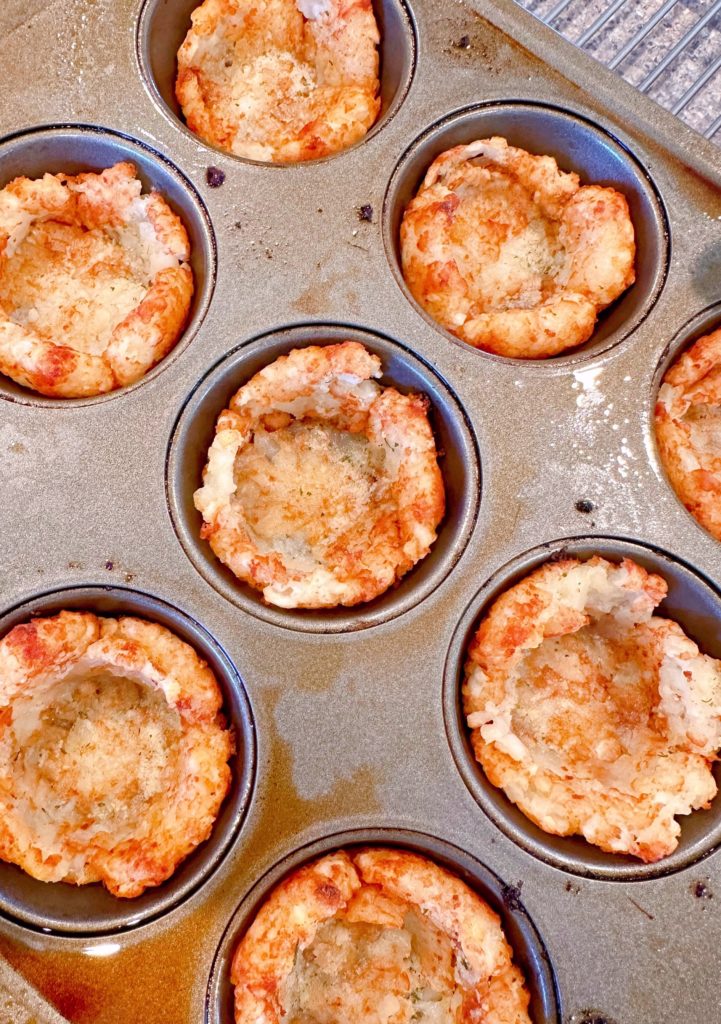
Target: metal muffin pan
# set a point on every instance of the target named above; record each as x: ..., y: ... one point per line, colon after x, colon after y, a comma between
x: 351, y: 723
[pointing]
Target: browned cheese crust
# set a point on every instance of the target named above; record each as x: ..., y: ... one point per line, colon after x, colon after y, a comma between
x: 113, y: 752
x: 688, y: 422
x: 280, y: 80
x: 595, y: 716
x: 95, y: 286
x: 382, y: 936
x: 513, y: 255
x: 322, y: 488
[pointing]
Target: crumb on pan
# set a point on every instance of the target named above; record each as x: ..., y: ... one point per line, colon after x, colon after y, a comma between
x: 595, y: 716
x: 215, y: 177
x: 322, y: 488
x: 513, y: 255
x: 113, y: 752
x: 276, y: 80
x: 378, y: 935
x: 688, y: 429
x: 95, y: 286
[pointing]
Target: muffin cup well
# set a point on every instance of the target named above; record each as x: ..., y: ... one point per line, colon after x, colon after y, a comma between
x: 528, y: 949
x: 75, y: 149
x: 577, y: 145
x: 162, y: 27
x: 460, y: 467
x: 693, y: 603
x: 90, y: 910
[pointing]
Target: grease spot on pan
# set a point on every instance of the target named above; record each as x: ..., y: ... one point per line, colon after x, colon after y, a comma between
x: 318, y: 297
x: 358, y: 789
x: 590, y: 1017
x: 317, y: 675
x: 95, y: 990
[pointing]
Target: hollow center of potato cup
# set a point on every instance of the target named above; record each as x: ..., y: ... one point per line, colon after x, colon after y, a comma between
x: 73, y: 286
x: 518, y: 258
x: 587, y: 699
x: 90, y: 755
x: 304, y: 486
x: 358, y: 970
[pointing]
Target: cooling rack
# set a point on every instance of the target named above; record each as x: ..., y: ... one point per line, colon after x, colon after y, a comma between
x: 668, y: 49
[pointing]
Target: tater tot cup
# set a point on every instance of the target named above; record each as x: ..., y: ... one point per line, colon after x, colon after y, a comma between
x: 107, y: 265
x: 601, y: 208
x: 398, y: 861
x: 655, y: 844
x: 159, y: 676
x: 404, y: 375
x: 95, y: 285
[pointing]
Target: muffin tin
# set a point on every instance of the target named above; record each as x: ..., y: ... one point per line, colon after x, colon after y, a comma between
x: 353, y: 716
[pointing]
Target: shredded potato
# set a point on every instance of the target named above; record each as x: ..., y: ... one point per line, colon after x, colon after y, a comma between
x: 321, y: 487
x: 278, y: 80
x: 688, y: 417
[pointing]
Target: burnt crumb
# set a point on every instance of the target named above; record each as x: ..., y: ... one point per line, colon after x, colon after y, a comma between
x: 75, y: 565
x: 269, y: 254
x: 590, y: 1017
x: 215, y: 177
x: 129, y: 577
x: 573, y: 887
x: 238, y: 224
x: 228, y: 63
x: 365, y: 213
x: 701, y: 891
x: 328, y: 892
x: 584, y: 505
x: 471, y: 44
x: 109, y: 565
x: 512, y: 896
x: 558, y: 556
x: 320, y: 209
x: 642, y: 910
